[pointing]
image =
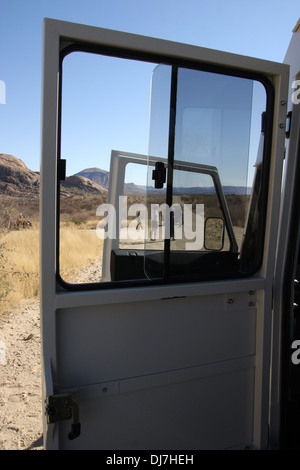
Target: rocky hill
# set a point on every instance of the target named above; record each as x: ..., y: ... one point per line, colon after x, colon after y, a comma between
x: 96, y: 175
x: 16, y: 179
x: 78, y: 185
x: 101, y: 177
x: 19, y: 181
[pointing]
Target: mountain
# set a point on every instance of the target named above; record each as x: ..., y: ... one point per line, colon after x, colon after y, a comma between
x: 101, y: 178
x: 18, y: 180
x: 96, y: 175
x: 79, y: 185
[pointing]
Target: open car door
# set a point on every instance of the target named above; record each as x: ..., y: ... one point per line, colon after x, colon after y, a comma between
x: 166, y: 341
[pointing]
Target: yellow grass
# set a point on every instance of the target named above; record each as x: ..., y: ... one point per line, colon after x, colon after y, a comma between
x: 78, y: 249
x: 19, y: 260
x: 19, y: 263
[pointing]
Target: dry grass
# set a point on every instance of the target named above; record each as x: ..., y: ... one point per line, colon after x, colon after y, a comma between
x: 78, y: 249
x: 20, y: 266
x: 79, y: 245
x: 20, y: 261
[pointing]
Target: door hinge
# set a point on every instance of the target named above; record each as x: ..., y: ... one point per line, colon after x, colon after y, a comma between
x: 63, y: 407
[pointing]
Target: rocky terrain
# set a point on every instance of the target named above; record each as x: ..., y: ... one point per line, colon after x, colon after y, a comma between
x: 79, y: 185
x: 19, y: 181
x: 20, y: 190
x: 96, y: 175
x: 16, y: 179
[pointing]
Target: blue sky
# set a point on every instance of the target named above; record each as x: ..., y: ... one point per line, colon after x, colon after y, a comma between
x: 258, y: 28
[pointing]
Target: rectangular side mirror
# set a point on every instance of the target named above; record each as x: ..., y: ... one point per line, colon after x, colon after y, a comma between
x: 214, y: 233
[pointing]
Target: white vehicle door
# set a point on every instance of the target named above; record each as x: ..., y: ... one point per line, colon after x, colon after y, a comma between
x: 157, y: 328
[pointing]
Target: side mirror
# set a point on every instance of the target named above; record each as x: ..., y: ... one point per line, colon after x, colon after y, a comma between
x: 214, y: 233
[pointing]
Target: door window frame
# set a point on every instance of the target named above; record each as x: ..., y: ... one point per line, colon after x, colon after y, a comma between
x: 175, y: 63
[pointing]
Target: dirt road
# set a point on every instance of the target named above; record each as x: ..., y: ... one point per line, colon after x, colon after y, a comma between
x: 20, y: 372
x: 20, y: 379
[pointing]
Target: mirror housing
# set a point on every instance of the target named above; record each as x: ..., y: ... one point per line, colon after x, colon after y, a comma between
x: 214, y: 233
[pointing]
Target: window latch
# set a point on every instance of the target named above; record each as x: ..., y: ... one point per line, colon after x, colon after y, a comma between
x: 159, y: 175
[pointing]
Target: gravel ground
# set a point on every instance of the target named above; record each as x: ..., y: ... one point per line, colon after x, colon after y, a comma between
x: 20, y: 372
x: 20, y: 378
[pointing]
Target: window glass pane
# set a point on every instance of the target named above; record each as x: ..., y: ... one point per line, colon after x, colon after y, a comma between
x: 192, y: 205
x: 163, y: 176
x: 105, y: 107
x: 213, y: 121
x: 218, y: 119
x: 216, y: 139
x: 158, y: 152
x: 134, y: 221
x: 159, y: 113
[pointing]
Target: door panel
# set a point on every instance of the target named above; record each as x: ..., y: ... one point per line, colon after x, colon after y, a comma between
x: 184, y: 380
x: 165, y: 420
x: 167, y: 362
x: 137, y: 339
